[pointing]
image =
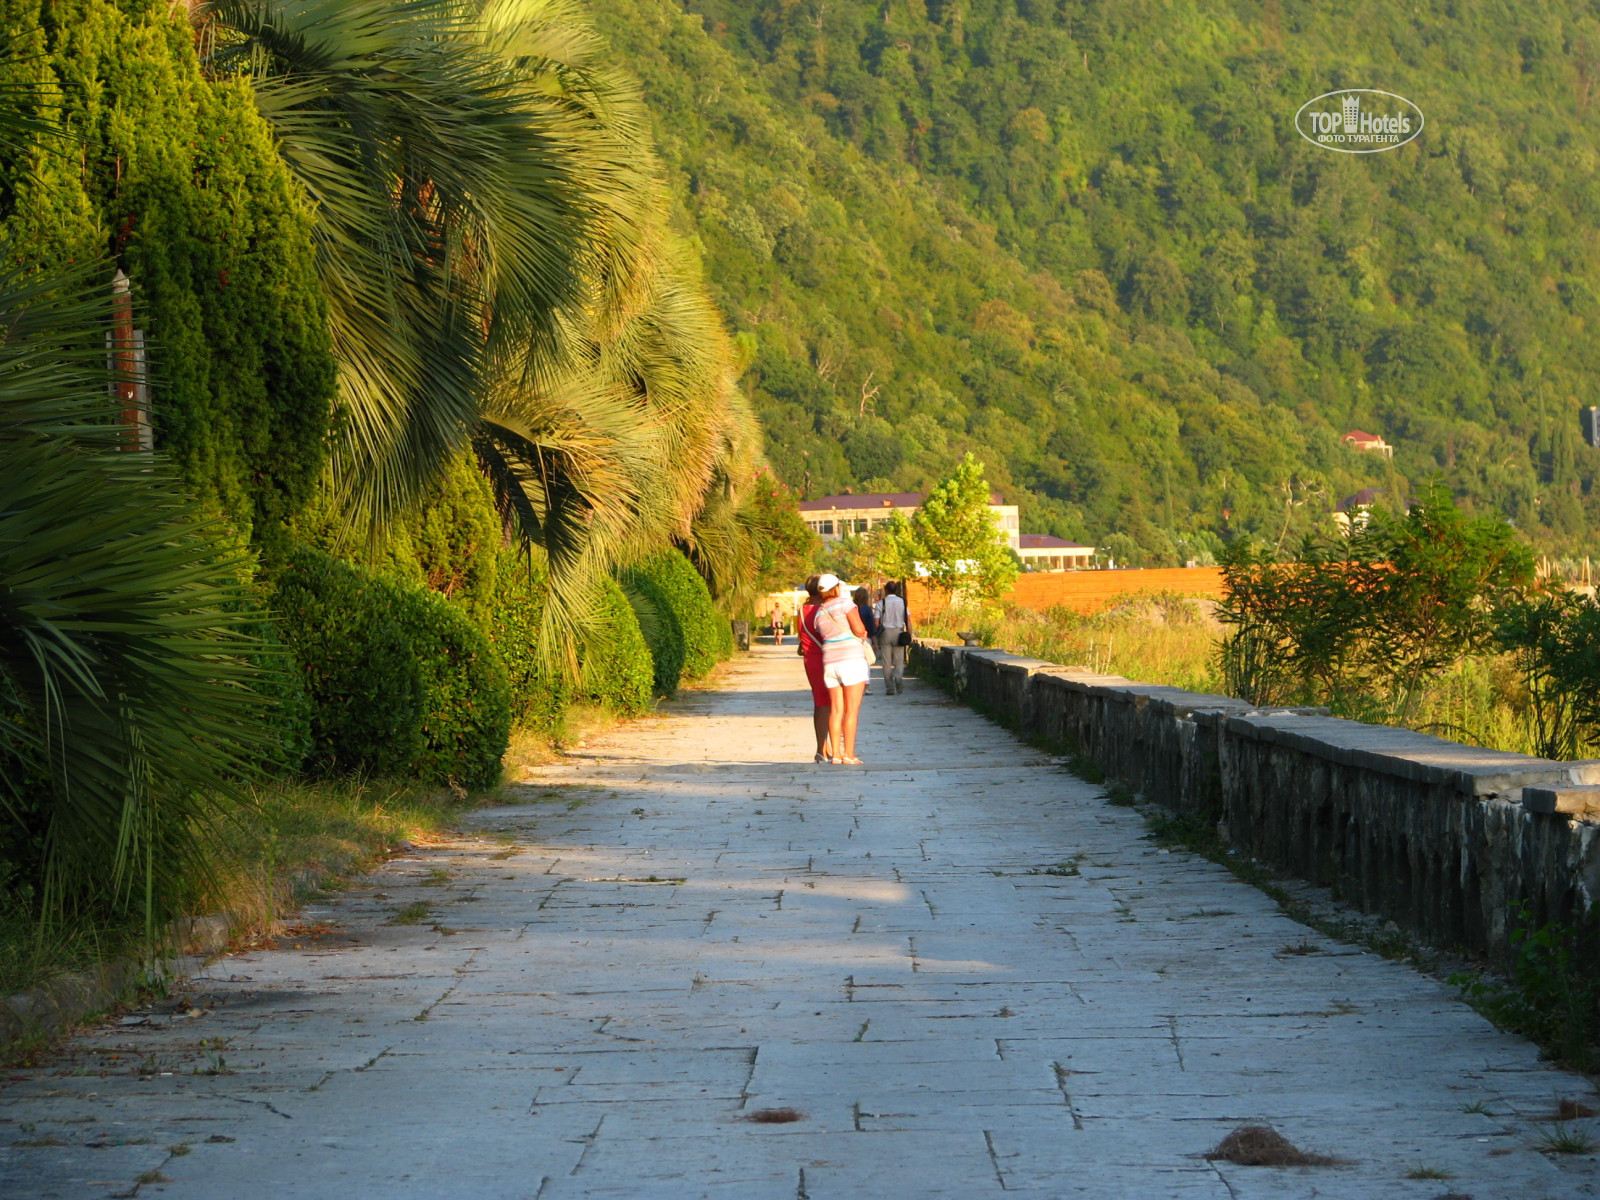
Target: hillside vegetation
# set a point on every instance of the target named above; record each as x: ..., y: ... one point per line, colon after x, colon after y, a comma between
x: 1084, y: 241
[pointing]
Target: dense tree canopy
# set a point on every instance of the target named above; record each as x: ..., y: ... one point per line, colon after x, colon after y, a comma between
x: 1084, y: 241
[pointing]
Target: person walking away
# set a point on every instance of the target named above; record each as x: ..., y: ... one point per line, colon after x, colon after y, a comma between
x: 844, y: 665
x: 894, y: 621
x: 869, y: 621
x: 777, y: 626
x: 811, y: 652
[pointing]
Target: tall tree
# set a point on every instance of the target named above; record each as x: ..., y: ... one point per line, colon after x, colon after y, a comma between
x: 952, y: 542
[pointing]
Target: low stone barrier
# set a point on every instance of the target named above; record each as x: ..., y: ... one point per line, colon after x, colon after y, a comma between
x: 1430, y: 833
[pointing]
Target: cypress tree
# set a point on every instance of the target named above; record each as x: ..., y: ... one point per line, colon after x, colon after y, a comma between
x: 175, y: 177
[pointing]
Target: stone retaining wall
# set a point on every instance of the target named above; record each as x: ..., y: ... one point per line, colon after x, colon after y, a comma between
x: 1430, y: 833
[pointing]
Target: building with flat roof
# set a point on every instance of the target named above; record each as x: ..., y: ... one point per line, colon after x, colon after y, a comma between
x: 849, y: 514
x: 1041, y: 552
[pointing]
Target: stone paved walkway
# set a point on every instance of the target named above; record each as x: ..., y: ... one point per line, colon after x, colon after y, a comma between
x: 970, y: 974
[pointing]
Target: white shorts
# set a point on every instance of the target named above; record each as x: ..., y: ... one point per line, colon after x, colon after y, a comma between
x: 845, y: 674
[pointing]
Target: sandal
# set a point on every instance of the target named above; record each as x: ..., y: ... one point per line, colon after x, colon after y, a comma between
x: 850, y: 762
x: 821, y: 758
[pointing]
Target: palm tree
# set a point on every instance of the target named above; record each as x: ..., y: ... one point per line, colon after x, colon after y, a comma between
x: 494, y: 244
x: 454, y: 203
x: 127, y: 719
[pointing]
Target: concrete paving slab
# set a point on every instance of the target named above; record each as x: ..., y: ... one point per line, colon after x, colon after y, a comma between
x: 881, y: 950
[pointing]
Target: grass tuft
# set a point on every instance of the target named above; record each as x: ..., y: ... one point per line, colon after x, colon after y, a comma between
x: 1563, y: 1139
x: 414, y: 913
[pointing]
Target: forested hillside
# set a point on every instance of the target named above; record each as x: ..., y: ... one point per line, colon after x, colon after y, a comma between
x: 1084, y: 241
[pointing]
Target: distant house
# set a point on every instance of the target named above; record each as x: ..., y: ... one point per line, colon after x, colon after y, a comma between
x: 1369, y: 443
x: 847, y: 515
x: 1351, y: 513
x: 1041, y: 552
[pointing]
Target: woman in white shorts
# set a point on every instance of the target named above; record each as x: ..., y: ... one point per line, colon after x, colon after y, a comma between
x: 844, y: 665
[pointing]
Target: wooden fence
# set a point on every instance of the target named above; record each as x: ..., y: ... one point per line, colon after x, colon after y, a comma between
x: 1087, y: 591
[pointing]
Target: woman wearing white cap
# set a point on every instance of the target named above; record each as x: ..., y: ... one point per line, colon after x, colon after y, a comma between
x: 844, y: 665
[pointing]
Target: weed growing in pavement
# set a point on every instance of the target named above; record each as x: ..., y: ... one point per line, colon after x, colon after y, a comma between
x: 1067, y: 869
x: 414, y: 913
x: 1121, y: 795
x: 1425, y: 1172
x: 1085, y: 769
x: 215, y: 1065
x: 1563, y: 1139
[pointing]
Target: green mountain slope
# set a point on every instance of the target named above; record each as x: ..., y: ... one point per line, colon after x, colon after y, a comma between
x: 1084, y: 241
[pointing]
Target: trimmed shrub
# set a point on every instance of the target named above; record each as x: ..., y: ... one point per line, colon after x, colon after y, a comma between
x: 685, y: 633
x: 617, y: 670
x: 615, y: 663
x: 283, y: 684
x: 346, y: 631
x: 662, y: 632
x: 456, y: 539
x: 536, y: 699
x: 400, y: 682
x: 466, y: 701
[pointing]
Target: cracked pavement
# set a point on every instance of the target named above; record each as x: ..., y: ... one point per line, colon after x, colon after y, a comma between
x: 966, y: 973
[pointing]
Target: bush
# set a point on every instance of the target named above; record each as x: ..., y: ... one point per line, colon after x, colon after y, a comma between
x: 400, y: 682
x: 617, y: 667
x: 686, y: 634
x: 466, y: 701
x: 345, y: 630
x: 662, y: 633
x: 283, y: 684
x: 536, y: 699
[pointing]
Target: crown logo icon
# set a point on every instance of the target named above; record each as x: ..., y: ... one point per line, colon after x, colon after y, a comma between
x: 1352, y: 112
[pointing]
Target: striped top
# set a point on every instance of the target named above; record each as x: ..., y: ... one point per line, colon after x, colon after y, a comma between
x: 839, y: 641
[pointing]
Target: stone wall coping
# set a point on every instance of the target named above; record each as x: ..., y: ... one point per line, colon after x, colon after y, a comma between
x: 1017, y: 662
x: 1404, y: 753
x: 1116, y: 687
x: 1578, y: 800
x: 1471, y: 770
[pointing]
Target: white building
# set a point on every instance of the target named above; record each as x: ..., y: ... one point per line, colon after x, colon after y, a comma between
x: 1041, y: 552
x: 834, y: 517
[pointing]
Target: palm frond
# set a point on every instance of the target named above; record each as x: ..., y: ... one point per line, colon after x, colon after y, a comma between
x: 128, y: 711
x: 452, y: 212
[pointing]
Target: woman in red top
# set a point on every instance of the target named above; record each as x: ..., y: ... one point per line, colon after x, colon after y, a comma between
x: 811, y: 649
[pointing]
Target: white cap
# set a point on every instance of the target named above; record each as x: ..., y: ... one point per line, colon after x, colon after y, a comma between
x: 826, y: 583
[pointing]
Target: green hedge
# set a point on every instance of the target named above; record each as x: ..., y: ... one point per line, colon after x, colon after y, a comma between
x: 290, y: 713
x: 687, y: 636
x: 536, y: 700
x: 400, y: 682
x: 466, y: 717
x: 615, y: 662
x: 617, y: 669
